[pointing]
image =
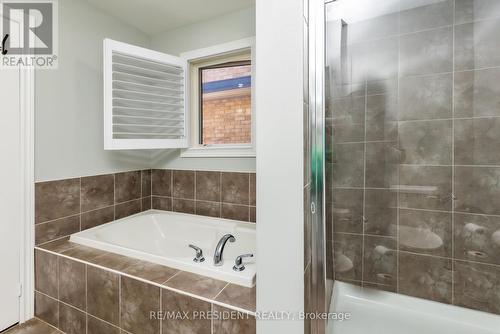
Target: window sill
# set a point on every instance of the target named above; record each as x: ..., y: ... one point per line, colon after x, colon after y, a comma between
x: 219, y: 152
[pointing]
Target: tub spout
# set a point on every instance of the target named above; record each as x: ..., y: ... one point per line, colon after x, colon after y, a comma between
x: 220, y: 248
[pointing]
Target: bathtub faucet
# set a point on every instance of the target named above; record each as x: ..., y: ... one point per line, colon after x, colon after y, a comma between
x: 220, y: 248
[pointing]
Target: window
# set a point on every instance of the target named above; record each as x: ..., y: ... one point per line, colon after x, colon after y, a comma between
x: 226, y: 103
x: 221, y: 113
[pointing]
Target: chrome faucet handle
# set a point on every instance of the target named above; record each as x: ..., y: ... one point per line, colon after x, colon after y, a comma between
x: 238, y: 263
x: 199, y: 254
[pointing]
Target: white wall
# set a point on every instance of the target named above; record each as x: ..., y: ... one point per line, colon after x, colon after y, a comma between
x: 223, y: 29
x: 69, y: 111
x: 226, y: 28
x: 280, y: 227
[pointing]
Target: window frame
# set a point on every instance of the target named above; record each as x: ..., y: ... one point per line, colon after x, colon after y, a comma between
x: 228, y: 64
x: 227, y: 52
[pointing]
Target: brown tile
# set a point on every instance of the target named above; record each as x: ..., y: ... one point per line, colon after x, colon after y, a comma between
x: 138, y: 299
x: 348, y: 165
x: 382, y: 161
x: 177, y: 303
x: 161, y: 182
x: 477, y: 93
x: 183, y: 205
x: 235, y: 188
x: 473, y: 50
x: 427, y: 52
x: 150, y: 271
x: 72, y: 283
x: 473, y: 10
x: 97, y: 326
x: 427, y: 16
x: 146, y: 183
x: 183, y: 184
x: 97, y: 217
x: 424, y: 187
x: 211, y: 209
x: 425, y: 276
x: 348, y: 256
x: 56, y: 229
x: 103, y: 298
x: 253, y: 214
x: 381, y: 116
x: 58, y: 246
x: 46, y: 273
x: 380, y: 212
x: 477, y: 286
x: 347, y: 210
x: 477, y: 190
x: 127, y: 186
x: 83, y: 253
x: 253, y: 189
x: 380, y: 260
x: 426, y: 97
x: 425, y: 232
x: 196, y: 284
x: 146, y: 203
x: 476, y: 140
x: 238, y: 296
x: 56, y: 199
x: 71, y: 320
x: 97, y: 192
x: 425, y: 143
x: 236, y: 212
x: 47, y: 309
x: 239, y: 323
x: 208, y: 186
x: 33, y: 326
x: 127, y: 209
x: 477, y: 238
x: 162, y: 203
x: 114, y: 261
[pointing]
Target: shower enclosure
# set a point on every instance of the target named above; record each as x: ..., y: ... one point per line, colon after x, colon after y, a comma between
x: 412, y: 150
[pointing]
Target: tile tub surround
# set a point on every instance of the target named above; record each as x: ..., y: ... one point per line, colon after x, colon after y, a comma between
x: 413, y: 198
x: 64, y: 207
x: 208, y: 193
x: 112, y: 293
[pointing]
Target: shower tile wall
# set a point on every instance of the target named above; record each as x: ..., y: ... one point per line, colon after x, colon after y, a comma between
x: 413, y: 124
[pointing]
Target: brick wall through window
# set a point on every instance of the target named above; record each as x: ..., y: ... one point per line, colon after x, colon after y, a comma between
x: 226, y: 113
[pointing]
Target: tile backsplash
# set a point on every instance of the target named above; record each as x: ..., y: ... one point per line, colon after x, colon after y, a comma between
x: 207, y: 193
x: 64, y: 207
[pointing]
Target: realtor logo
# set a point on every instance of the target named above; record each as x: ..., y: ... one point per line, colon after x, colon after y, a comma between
x: 29, y: 33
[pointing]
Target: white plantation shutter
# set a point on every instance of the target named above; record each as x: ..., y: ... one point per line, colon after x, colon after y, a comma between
x: 144, y: 98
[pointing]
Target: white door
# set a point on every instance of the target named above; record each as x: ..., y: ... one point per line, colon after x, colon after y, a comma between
x: 10, y: 196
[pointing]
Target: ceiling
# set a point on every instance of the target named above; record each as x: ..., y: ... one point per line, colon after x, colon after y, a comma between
x: 155, y: 16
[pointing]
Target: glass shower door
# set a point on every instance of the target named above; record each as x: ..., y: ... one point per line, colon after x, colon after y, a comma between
x: 412, y: 126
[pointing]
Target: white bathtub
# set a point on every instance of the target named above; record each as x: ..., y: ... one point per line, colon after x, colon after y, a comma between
x: 163, y: 237
x: 380, y: 312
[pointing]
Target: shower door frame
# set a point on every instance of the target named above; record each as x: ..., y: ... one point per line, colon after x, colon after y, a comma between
x: 317, y: 159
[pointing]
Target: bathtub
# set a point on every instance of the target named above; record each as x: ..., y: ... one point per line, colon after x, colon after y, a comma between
x: 163, y: 237
x: 380, y: 312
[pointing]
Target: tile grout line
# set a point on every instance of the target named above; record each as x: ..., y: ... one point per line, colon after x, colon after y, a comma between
x: 120, y: 273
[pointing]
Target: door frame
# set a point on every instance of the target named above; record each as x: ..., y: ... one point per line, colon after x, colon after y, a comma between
x: 27, y: 237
